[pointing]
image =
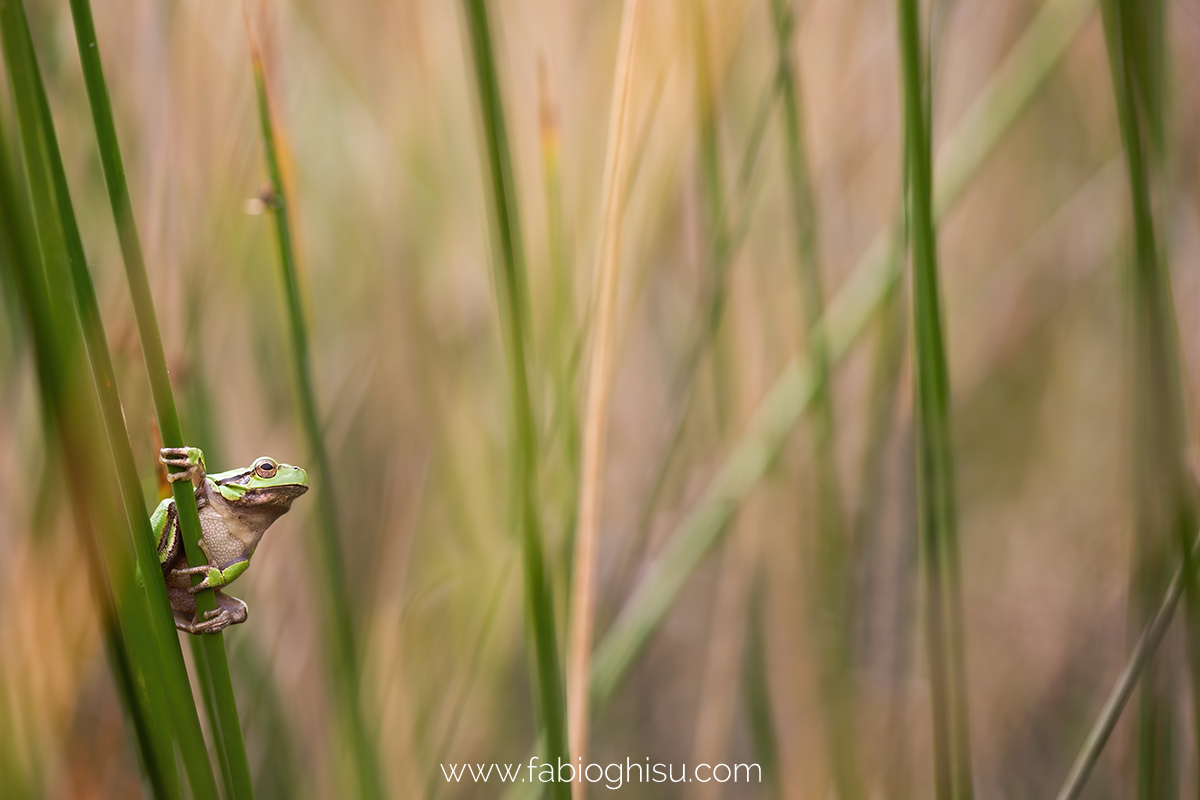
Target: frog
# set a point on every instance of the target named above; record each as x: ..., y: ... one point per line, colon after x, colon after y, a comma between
x: 236, y: 507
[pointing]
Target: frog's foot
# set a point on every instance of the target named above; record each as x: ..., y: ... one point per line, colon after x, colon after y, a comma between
x: 188, y: 459
x: 213, y: 621
x: 236, y: 607
x: 229, y: 611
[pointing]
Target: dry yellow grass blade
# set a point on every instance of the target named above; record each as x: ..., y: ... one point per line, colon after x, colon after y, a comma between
x: 599, y: 391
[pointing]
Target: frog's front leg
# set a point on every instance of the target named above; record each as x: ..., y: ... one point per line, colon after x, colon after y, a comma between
x: 229, y: 611
x: 213, y: 576
x: 188, y: 459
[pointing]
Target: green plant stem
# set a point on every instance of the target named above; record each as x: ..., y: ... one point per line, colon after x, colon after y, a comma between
x: 61, y: 239
x: 937, y: 522
x: 143, y: 708
x: 513, y: 308
x: 339, y: 625
x: 209, y: 650
x: 1165, y: 509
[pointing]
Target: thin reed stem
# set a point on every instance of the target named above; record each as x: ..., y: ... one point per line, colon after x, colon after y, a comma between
x: 343, y: 667
x: 937, y: 518
x: 513, y: 307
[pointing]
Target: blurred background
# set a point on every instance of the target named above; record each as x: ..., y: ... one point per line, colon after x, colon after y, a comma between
x: 377, y: 108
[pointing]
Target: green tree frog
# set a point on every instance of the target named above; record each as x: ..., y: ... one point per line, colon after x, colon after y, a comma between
x: 235, y: 507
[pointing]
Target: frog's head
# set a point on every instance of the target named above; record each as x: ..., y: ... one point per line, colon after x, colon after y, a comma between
x: 265, y: 484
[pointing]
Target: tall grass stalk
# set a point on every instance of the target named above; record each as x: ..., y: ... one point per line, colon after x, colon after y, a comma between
x: 512, y: 300
x: 599, y: 391
x: 831, y: 579
x: 983, y: 125
x: 61, y: 243
x: 58, y: 366
x: 208, y: 651
x: 339, y: 631
x: 937, y: 521
x: 513, y: 306
x: 1164, y: 507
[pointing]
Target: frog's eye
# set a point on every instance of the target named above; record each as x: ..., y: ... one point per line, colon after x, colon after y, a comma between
x: 265, y: 469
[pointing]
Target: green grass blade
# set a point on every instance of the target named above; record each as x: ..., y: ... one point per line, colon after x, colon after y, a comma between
x: 937, y: 520
x: 509, y: 265
x: 209, y: 651
x: 63, y: 249
x: 1165, y: 511
x: 54, y: 364
x: 339, y: 630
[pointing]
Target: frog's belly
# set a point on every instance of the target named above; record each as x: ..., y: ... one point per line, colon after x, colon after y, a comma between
x: 228, y: 538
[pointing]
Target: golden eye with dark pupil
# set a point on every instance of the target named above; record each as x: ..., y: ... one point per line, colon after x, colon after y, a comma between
x: 265, y: 470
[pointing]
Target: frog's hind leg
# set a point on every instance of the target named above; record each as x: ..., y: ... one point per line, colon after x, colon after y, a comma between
x: 229, y: 611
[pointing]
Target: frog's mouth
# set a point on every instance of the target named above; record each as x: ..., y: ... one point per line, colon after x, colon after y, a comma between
x: 274, y: 495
